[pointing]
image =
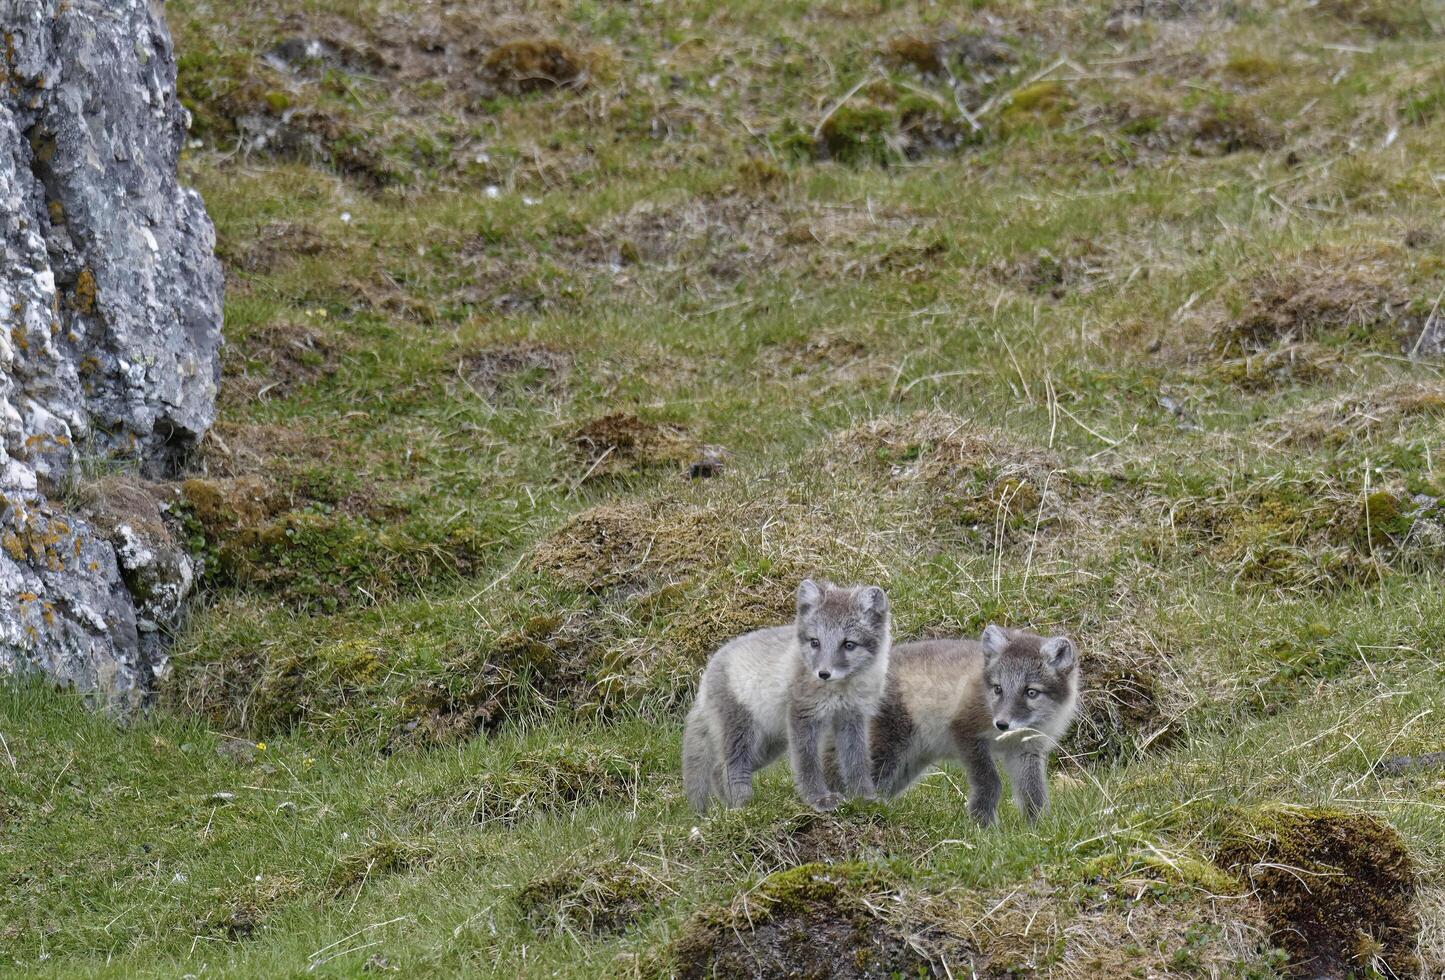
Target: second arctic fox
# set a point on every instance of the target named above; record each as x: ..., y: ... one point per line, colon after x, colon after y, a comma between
x: 1009, y: 697
x: 797, y: 687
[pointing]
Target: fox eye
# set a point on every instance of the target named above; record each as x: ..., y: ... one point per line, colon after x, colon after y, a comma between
x: 1032, y: 693
x: 813, y: 642
x: 849, y: 645
x: 998, y: 689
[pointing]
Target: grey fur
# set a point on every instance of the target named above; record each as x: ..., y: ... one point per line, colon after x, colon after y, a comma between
x: 970, y: 700
x: 777, y: 688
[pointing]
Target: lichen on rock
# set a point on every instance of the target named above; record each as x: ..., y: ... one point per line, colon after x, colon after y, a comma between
x: 110, y: 296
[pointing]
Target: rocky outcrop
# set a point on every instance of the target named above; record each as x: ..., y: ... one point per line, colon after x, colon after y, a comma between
x: 110, y: 328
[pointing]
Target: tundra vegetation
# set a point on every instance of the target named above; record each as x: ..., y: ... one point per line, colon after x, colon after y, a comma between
x: 565, y: 337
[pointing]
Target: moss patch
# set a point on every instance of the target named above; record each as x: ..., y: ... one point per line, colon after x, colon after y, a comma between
x: 383, y: 857
x: 814, y: 921
x: 1338, y: 887
x: 587, y: 897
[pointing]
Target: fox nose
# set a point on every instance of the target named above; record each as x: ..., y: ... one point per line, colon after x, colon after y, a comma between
x: 1001, y: 725
x: 824, y: 674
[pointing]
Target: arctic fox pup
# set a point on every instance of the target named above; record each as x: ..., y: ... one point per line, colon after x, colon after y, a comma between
x: 798, y: 687
x: 1009, y: 697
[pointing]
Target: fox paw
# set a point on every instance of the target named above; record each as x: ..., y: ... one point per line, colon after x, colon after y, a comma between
x: 827, y: 802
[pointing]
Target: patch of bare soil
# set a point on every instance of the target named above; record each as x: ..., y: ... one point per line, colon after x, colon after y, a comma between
x: 1338, y: 889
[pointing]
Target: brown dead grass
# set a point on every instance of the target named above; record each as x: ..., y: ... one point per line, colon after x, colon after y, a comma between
x: 1134, y: 931
x: 535, y: 367
x: 535, y: 64
x: 1322, y: 292
x: 275, y: 360
x: 271, y: 246
x: 621, y: 443
x: 632, y: 545
x: 1361, y: 416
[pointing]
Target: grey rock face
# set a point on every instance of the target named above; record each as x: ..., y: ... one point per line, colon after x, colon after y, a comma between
x: 110, y: 317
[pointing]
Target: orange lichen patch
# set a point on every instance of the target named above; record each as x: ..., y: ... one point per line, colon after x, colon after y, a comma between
x: 85, y: 293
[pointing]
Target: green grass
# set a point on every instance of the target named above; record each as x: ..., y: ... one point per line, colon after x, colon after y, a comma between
x: 1162, y: 296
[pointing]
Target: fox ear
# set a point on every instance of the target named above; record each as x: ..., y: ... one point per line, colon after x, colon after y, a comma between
x: 995, y: 640
x: 809, y: 595
x: 873, y: 600
x: 1059, y: 652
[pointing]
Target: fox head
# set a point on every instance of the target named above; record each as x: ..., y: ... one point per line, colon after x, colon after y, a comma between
x: 1032, y: 680
x: 841, y: 630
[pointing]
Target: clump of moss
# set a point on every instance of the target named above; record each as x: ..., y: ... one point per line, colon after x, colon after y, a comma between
x: 856, y: 134
x: 535, y: 64
x: 328, y: 561
x: 588, y: 897
x: 1162, y: 871
x: 622, y: 443
x: 530, y: 367
x: 1251, y: 67
x: 542, y: 661
x: 222, y: 505
x: 383, y: 857
x: 993, y: 489
x: 1041, y: 104
x: 1302, y: 534
x: 1338, y: 887
x: 804, y: 836
x: 917, y: 52
x: 243, y: 912
x: 1215, y: 126
x: 1305, y: 364
x: 818, y: 920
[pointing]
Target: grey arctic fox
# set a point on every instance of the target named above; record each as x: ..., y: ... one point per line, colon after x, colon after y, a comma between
x: 800, y: 687
x: 1009, y: 697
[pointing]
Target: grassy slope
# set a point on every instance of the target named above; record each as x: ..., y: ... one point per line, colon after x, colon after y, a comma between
x: 1209, y: 210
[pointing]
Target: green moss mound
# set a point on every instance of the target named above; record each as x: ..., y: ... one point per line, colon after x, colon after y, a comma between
x: 813, y: 921
x: 1338, y: 888
x: 592, y: 898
